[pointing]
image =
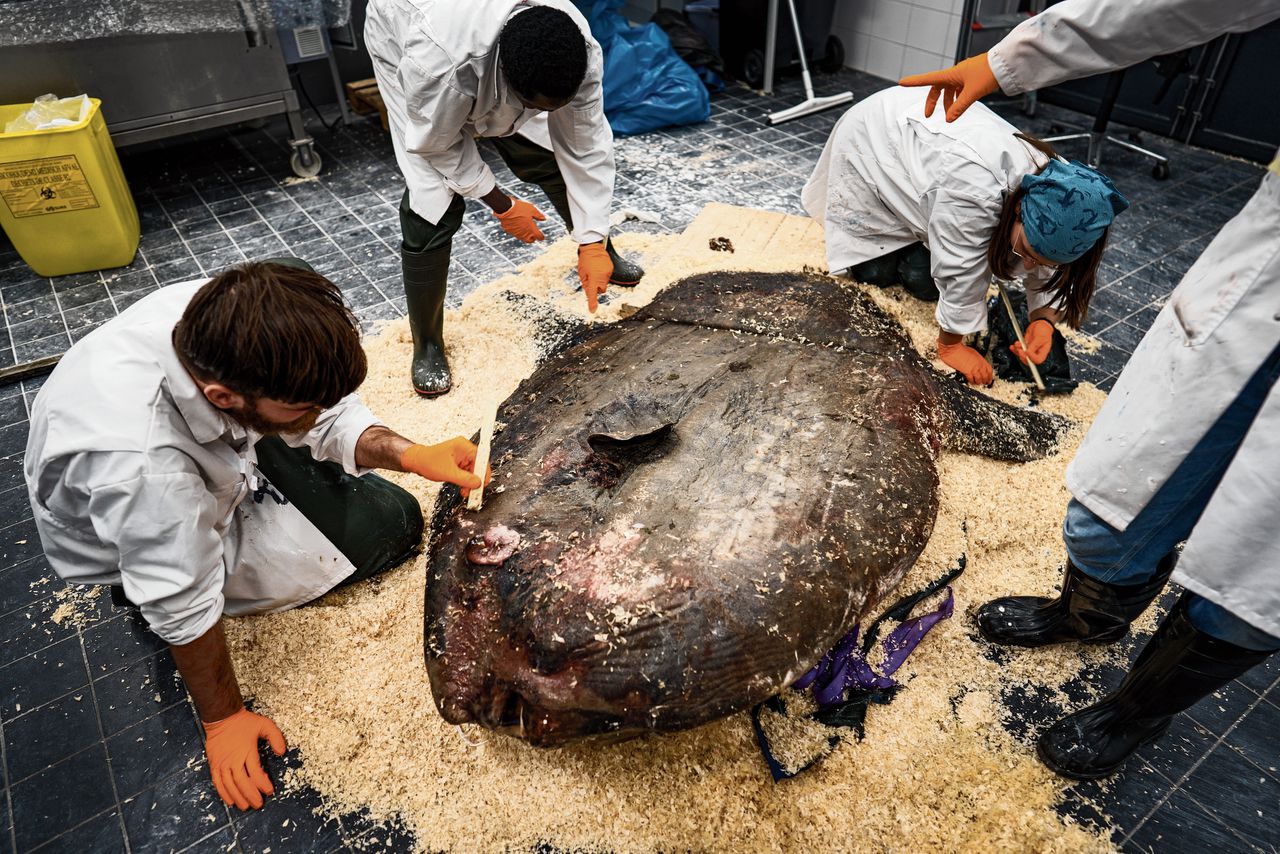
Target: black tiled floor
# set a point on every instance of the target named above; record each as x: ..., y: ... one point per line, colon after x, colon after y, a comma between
x: 137, y: 691
x: 1181, y: 824
x: 50, y: 733
x: 119, y: 641
x: 30, y: 629
x: 155, y: 748
x: 175, y: 811
x: 61, y: 797
x: 102, y: 834
x: 1239, y: 795
x: 1256, y: 742
x: 41, y: 677
x: 63, y: 687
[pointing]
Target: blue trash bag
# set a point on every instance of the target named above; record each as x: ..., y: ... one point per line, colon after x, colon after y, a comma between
x: 646, y: 84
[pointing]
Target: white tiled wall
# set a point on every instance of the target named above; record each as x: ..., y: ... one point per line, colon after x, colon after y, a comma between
x: 890, y: 38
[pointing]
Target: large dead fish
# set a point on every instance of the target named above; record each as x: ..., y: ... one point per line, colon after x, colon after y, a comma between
x: 697, y: 503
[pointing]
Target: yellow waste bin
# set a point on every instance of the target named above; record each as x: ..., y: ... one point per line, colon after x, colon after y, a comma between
x: 63, y: 199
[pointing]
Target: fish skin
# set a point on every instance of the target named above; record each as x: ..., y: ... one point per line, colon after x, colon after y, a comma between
x: 706, y: 496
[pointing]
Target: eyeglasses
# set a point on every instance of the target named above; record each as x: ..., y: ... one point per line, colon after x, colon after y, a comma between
x: 1033, y: 261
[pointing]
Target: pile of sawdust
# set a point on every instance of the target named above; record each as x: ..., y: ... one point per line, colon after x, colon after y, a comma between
x: 345, y: 678
x: 74, y: 604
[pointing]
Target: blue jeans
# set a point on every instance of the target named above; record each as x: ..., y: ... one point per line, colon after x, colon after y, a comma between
x: 1130, y: 556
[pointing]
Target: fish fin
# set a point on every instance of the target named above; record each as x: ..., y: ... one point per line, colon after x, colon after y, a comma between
x: 631, y: 431
x: 978, y: 424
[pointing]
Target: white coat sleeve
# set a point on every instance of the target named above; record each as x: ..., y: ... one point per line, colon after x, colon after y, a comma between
x: 336, y: 433
x: 960, y: 228
x: 437, y: 131
x: 1080, y: 38
x: 583, y: 144
x: 164, y: 527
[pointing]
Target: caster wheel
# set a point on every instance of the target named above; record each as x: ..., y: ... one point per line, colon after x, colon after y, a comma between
x: 305, y: 169
x: 1160, y: 172
x: 833, y: 57
x: 753, y: 68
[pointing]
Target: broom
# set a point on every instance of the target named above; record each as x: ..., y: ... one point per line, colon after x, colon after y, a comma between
x: 811, y: 103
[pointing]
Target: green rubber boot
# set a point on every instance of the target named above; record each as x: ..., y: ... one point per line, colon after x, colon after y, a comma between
x: 426, y: 277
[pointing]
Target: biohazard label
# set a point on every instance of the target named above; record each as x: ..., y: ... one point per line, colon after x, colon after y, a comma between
x: 45, y: 186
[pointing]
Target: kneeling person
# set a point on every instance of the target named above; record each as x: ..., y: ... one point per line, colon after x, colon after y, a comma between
x: 943, y: 207
x: 205, y: 454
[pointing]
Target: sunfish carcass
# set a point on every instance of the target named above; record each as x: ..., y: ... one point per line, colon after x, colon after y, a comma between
x: 697, y: 502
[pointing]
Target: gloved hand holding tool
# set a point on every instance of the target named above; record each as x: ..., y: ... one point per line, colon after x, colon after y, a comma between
x: 450, y: 461
x: 594, y: 269
x: 966, y: 360
x: 521, y: 221
x: 232, y: 747
x: 1039, y: 338
x: 1017, y: 330
x: 960, y: 85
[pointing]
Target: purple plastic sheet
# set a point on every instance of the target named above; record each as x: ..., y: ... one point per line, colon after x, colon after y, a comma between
x: 847, y: 667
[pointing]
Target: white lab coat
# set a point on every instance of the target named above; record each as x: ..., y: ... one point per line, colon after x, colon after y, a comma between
x: 1219, y: 325
x: 889, y: 177
x: 438, y: 70
x: 136, y: 479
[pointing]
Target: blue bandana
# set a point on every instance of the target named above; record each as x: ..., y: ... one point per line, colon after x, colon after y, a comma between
x: 1066, y: 209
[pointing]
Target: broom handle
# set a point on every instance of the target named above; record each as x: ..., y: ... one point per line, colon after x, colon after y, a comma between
x: 1017, y: 330
x: 804, y: 63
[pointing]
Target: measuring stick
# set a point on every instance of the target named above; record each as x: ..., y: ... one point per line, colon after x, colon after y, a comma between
x: 1017, y: 330
x: 476, y: 498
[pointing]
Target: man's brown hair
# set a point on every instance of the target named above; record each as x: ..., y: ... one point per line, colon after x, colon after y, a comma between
x: 274, y: 331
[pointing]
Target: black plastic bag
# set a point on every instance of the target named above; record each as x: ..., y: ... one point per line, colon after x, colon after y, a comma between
x: 689, y: 43
x: 1055, y: 371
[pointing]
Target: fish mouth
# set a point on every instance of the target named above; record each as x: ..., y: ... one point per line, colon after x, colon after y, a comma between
x: 547, y: 709
x: 510, y: 713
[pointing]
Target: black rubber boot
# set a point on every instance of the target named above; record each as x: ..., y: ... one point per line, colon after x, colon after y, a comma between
x: 426, y: 276
x: 1087, y: 611
x: 915, y: 273
x: 881, y: 272
x: 1179, y: 666
x: 626, y: 274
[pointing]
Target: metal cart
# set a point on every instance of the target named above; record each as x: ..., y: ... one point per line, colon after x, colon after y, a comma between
x: 165, y: 85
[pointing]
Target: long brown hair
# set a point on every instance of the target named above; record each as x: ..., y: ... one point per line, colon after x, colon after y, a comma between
x: 1073, y: 283
x: 275, y: 331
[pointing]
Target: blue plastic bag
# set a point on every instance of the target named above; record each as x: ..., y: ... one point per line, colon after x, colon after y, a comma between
x: 646, y: 84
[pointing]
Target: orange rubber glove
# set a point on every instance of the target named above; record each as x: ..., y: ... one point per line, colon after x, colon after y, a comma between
x: 521, y: 221
x: 451, y: 461
x: 968, y: 361
x: 1039, y: 338
x: 960, y: 85
x: 594, y: 269
x: 232, y: 747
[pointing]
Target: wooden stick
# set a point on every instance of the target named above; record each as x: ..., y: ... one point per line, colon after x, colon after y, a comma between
x: 476, y: 499
x: 1017, y: 330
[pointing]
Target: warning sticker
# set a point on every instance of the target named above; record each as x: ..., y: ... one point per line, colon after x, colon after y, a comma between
x: 45, y: 186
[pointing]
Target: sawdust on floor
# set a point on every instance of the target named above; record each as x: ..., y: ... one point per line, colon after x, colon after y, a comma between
x: 345, y: 680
